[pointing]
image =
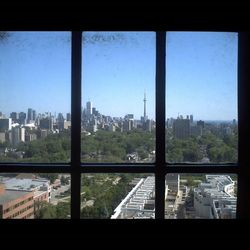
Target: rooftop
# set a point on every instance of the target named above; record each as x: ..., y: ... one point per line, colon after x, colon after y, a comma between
x: 11, y: 195
x: 24, y: 184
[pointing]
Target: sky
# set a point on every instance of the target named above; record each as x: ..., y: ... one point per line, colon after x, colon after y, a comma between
x: 117, y: 69
x: 201, y: 75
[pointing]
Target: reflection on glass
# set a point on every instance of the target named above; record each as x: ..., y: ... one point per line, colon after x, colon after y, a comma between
x: 35, y: 96
x: 34, y: 196
x: 200, y: 196
x: 118, y: 196
x: 201, y: 97
x: 118, y: 104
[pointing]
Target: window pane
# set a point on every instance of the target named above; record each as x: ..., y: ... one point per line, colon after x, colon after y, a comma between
x: 35, y: 96
x: 34, y: 196
x: 200, y: 196
x: 201, y: 97
x: 118, y: 196
x: 118, y: 97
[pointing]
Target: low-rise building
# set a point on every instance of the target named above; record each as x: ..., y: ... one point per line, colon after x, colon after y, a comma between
x: 16, y: 204
x: 139, y: 203
x: 40, y: 187
x: 214, y: 198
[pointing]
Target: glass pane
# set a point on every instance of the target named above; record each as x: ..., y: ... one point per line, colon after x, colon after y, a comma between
x: 201, y: 97
x: 201, y: 196
x: 118, y: 97
x: 35, y: 96
x: 118, y: 196
x: 34, y: 196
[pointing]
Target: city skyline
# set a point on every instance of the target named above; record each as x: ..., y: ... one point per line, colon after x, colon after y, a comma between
x: 55, y: 115
x: 117, y: 68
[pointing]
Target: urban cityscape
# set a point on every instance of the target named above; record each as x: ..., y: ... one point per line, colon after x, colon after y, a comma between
x: 116, y: 196
x: 118, y: 123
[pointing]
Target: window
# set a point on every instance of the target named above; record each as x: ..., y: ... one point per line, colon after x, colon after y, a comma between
x: 158, y: 168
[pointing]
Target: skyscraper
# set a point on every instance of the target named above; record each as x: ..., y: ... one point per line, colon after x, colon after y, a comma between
x: 22, y: 118
x: 33, y: 115
x: 17, y: 135
x: 14, y: 116
x: 30, y: 115
x: 191, y: 119
x: 68, y: 115
x: 89, y: 108
x: 181, y: 128
x: 5, y: 124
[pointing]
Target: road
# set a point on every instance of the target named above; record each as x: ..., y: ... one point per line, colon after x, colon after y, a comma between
x: 56, y: 192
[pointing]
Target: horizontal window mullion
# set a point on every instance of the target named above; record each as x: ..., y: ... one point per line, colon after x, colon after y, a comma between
x: 118, y: 169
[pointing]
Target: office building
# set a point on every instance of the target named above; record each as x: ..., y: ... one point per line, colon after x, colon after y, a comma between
x: 15, y: 117
x: 2, y: 137
x: 29, y: 115
x: 5, y: 124
x: 22, y: 118
x: 201, y: 124
x: 191, y: 119
x: 40, y: 187
x: 181, y: 128
x: 16, y: 204
x: 89, y: 109
x: 17, y: 135
x: 68, y: 117
x: 46, y: 123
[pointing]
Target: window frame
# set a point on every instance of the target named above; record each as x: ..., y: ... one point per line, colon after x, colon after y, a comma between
x: 160, y: 167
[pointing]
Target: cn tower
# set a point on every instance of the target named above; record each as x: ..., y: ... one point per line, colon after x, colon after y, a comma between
x: 145, y: 100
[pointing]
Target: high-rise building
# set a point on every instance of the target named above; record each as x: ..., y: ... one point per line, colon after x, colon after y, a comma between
x: 89, y: 108
x: 181, y: 128
x: 129, y: 116
x: 60, y: 121
x: 17, y: 135
x: 5, y: 124
x: 60, y: 117
x: 191, y: 119
x: 29, y: 115
x: 148, y: 125
x: 14, y: 116
x: 201, y: 124
x: 2, y: 137
x: 128, y: 125
x: 46, y: 123
x: 68, y: 117
x: 33, y: 115
x: 94, y: 111
x: 22, y: 134
x: 22, y: 118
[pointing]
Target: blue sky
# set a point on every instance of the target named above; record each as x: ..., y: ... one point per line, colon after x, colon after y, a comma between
x: 201, y: 75
x: 117, y: 68
x: 35, y: 72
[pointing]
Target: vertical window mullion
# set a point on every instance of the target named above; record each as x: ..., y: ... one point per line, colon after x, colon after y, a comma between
x: 243, y: 204
x: 160, y: 124
x: 76, y: 62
